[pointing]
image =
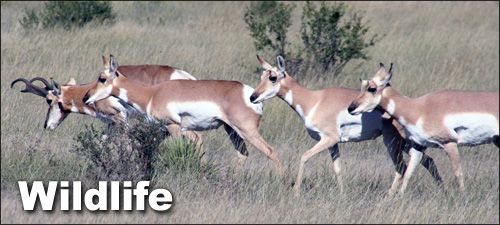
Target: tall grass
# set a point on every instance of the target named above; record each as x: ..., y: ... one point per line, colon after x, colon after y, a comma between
x: 434, y: 45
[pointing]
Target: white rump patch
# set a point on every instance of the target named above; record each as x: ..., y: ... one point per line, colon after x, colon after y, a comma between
x: 247, y: 92
x: 472, y: 128
x: 181, y: 75
x: 196, y: 115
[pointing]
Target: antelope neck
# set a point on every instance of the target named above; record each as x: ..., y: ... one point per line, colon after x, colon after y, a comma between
x: 295, y: 94
x: 134, y: 93
x: 399, y: 106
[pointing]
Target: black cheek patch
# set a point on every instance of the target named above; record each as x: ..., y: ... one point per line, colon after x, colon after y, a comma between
x: 62, y: 108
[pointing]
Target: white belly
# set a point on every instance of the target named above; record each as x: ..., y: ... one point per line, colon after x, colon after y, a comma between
x: 359, y: 127
x: 472, y: 128
x: 202, y: 115
x: 416, y: 133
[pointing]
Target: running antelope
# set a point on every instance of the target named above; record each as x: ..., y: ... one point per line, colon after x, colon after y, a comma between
x: 65, y: 99
x: 193, y: 105
x: 445, y: 119
x: 325, y: 116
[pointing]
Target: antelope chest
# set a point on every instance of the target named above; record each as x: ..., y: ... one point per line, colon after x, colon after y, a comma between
x: 199, y: 115
x: 416, y: 133
x: 312, y: 129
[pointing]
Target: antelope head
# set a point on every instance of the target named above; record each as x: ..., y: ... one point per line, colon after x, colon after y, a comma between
x: 105, y: 80
x: 270, y: 80
x: 371, y: 91
x: 58, y: 108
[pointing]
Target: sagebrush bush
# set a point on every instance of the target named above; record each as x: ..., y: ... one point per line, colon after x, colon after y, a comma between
x: 121, y: 153
x: 268, y: 22
x: 138, y: 151
x: 69, y: 14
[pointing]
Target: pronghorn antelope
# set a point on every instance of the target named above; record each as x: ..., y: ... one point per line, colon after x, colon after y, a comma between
x: 65, y: 99
x: 194, y: 106
x: 442, y: 119
x: 325, y: 116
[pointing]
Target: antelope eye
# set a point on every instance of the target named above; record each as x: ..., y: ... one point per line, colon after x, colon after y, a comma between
x: 273, y: 79
x: 372, y: 89
x: 49, y: 101
x: 102, y: 80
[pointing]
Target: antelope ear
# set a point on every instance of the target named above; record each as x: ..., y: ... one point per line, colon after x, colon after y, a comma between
x: 388, y: 75
x: 386, y: 78
x: 263, y: 63
x: 381, y: 65
x: 113, y: 64
x: 105, y: 61
x: 364, y: 84
x: 57, y: 88
x: 281, y: 64
x: 391, y: 69
x: 72, y: 81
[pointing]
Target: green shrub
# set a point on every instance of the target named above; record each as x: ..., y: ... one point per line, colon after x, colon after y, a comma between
x: 329, y: 39
x: 268, y: 22
x: 69, y: 14
x: 328, y: 42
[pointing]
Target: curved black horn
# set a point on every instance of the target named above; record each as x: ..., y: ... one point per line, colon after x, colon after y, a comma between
x: 30, y: 88
x: 48, y: 86
x: 17, y: 80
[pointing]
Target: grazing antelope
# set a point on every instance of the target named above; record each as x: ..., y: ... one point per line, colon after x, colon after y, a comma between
x: 193, y: 105
x: 444, y: 119
x: 65, y: 99
x: 325, y: 116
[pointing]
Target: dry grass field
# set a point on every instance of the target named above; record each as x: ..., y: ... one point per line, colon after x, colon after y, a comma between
x: 435, y: 45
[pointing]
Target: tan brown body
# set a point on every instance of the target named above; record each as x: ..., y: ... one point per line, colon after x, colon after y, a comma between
x: 325, y: 116
x: 432, y: 108
x: 145, y: 74
x: 108, y: 110
x: 194, y: 106
x: 445, y: 118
